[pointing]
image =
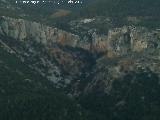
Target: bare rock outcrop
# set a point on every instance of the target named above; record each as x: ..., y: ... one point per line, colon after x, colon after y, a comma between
x: 22, y: 30
x: 122, y: 41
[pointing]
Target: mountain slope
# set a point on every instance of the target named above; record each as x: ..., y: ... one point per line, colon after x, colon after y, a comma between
x: 124, y: 8
x: 25, y: 94
x: 125, y: 12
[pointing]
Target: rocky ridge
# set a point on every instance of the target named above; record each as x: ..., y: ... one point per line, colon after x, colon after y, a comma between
x: 118, y: 41
x: 65, y: 58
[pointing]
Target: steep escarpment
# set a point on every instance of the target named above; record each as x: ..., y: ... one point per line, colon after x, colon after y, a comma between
x: 22, y: 30
x: 63, y: 57
x: 124, y: 40
x: 118, y: 41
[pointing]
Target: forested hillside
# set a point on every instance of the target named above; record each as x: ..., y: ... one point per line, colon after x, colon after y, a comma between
x: 123, y: 8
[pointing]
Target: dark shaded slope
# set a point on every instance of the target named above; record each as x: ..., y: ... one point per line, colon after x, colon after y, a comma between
x: 24, y: 94
x: 133, y: 97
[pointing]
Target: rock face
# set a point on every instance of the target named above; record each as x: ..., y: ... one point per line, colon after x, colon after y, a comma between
x: 118, y: 42
x: 122, y: 41
x: 23, y: 30
x: 128, y: 49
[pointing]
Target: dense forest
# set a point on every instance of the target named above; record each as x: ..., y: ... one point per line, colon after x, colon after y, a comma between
x: 123, y: 8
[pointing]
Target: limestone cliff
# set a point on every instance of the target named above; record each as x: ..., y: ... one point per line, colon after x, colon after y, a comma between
x: 122, y: 41
x: 22, y: 30
x: 118, y: 41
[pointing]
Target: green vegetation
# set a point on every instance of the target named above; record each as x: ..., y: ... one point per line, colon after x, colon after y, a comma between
x: 134, y: 97
x: 26, y: 95
x: 147, y: 11
x: 123, y: 8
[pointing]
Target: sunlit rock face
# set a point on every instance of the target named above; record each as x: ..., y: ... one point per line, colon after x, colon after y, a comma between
x: 118, y: 41
x: 122, y: 41
x: 22, y: 30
